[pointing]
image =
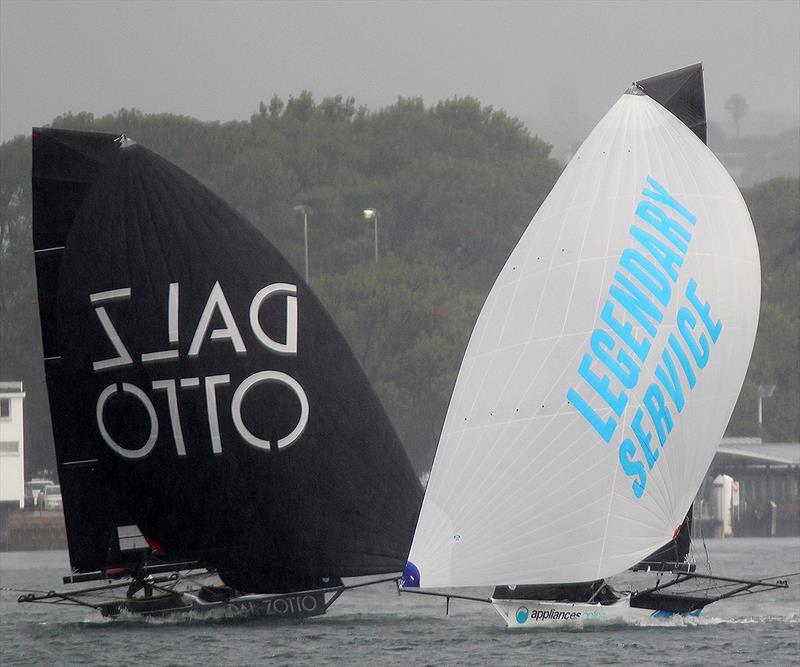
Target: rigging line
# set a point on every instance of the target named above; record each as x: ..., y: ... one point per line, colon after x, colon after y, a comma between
x: 705, y: 547
x: 449, y: 596
x: 676, y: 137
x: 662, y: 152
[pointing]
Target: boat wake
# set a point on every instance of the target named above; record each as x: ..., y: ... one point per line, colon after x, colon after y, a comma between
x: 199, y: 617
x: 792, y: 619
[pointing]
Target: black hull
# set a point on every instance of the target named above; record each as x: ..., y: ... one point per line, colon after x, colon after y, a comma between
x: 678, y: 604
x: 294, y: 606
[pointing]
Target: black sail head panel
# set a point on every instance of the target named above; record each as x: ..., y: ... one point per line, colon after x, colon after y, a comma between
x: 227, y: 416
x: 681, y: 92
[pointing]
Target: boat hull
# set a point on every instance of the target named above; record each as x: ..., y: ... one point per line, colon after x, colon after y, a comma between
x: 533, y: 614
x: 295, y: 605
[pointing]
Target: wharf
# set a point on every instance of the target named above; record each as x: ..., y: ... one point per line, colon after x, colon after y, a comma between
x: 28, y: 530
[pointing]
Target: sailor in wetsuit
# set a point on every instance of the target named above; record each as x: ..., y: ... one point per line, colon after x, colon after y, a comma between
x: 139, y: 584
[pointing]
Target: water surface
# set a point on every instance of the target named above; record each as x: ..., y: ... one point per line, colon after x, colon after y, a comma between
x: 374, y: 625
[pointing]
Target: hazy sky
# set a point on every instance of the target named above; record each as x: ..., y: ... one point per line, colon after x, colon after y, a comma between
x: 216, y: 61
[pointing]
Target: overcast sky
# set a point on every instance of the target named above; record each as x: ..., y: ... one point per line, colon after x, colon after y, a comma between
x: 216, y: 61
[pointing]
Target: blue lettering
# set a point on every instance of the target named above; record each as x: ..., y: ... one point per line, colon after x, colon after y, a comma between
x: 660, y: 194
x: 601, y: 386
x: 659, y: 414
x: 661, y: 252
x: 644, y: 438
x: 672, y: 384
x: 639, y: 267
x: 625, y: 332
x: 686, y: 324
x: 623, y: 367
x: 704, y: 311
x: 669, y: 228
x: 642, y: 287
x: 636, y: 303
x: 604, y: 428
x: 687, y: 367
x: 632, y: 468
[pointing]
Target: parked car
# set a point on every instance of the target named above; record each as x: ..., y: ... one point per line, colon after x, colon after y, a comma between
x: 33, y: 489
x: 52, y: 497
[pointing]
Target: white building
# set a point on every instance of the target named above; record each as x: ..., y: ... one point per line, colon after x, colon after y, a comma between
x: 12, y: 468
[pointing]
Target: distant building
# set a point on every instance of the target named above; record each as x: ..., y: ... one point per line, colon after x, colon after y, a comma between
x: 12, y: 469
x: 764, y: 495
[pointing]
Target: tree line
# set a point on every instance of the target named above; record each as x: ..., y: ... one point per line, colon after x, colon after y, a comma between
x: 455, y: 184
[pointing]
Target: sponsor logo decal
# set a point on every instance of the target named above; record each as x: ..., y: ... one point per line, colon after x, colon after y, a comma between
x: 292, y: 605
x: 173, y: 390
x: 633, y: 329
x: 411, y: 576
x: 308, y: 604
x: 523, y: 614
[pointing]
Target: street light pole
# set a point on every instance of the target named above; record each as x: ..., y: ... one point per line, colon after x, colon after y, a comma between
x: 764, y: 391
x: 372, y: 214
x: 305, y: 211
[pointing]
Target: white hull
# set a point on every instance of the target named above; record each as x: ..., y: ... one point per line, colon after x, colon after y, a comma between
x: 544, y: 614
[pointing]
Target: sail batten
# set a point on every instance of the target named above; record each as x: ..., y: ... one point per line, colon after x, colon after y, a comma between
x: 603, y: 366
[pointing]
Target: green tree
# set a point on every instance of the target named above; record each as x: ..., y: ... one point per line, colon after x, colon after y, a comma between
x: 455, y: 184
x: 736, y: 105
x: 409, y: 330
x: 775, y: 209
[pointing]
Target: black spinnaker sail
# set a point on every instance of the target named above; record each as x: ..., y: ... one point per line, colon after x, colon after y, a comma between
x: 200, y: 394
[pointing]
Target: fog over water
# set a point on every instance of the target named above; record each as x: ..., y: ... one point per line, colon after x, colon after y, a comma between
x: 545, y: 62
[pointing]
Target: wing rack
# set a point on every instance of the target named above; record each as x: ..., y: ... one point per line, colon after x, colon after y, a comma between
x: 694, y: 591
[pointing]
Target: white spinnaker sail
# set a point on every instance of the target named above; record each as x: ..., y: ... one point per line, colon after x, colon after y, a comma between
x: 530, y: 486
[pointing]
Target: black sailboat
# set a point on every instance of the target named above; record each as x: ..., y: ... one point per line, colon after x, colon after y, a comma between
x: 208, y: 415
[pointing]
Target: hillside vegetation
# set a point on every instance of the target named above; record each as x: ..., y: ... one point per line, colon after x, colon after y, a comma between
x: 454, y: 184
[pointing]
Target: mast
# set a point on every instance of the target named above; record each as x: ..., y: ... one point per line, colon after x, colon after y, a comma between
x: 682, y: 93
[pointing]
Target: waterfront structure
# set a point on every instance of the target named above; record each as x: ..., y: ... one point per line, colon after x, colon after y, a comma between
x: 764, y: 496
x: 12, y: 469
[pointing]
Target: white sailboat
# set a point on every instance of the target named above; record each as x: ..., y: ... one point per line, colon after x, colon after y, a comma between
x: 599, y: 378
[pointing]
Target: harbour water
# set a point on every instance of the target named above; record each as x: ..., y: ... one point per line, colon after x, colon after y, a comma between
x: 375, y: 626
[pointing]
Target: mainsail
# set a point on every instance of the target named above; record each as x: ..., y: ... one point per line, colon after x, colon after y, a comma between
x: 205, y: 407
x: 603, y: 367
